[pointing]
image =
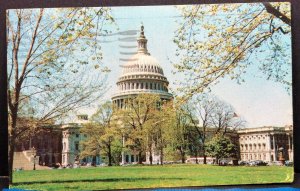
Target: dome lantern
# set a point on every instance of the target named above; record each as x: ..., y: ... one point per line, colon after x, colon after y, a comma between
x: 142, y: 42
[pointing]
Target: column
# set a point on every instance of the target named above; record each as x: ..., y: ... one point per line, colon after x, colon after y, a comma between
x: 129, y: 158
x: 268, y: 147
x: 30, y: 146
x: 274, y: 147
x: 289, y: 138
x: 290, y: 148
x: 43, y: 159
x: 50, y: 159
x: 55, y: 158
x: 123, y: 153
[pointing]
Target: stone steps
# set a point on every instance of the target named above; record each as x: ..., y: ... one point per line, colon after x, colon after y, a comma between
x: 20, y: 161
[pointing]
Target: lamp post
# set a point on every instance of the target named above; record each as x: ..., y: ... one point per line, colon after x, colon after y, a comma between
x: 34, y: 158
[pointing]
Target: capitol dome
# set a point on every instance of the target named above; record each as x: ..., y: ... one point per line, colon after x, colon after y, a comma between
x: 142, y: 63
x: 142, y: 74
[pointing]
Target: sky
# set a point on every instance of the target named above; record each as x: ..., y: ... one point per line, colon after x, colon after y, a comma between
x: 259, y: 101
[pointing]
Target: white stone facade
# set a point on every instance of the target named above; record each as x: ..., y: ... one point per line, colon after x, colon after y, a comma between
x: 263, y: 143
x: 71, y: 138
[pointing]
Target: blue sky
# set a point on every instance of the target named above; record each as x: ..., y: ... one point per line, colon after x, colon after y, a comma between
x: 259, y: 101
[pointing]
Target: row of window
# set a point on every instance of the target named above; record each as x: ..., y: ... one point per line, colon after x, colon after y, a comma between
x: 142, y: 76
x: 253, y: 138
x: 253, y: 147
x: 142, y: 85
x: 144, y: 68
x: 131, y: 158
x: 253, y: 157
x: 76, y: 146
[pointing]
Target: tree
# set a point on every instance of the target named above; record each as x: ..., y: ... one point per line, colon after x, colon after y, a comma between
x: 136, y: 119
x: 217, y: 41
x: 178, y: 129
x: 221, y: 147
x: 42, y: 64
x: 210, y: 115
x: 224, y: 118
x: 103, y: 135
x: 162, y: 124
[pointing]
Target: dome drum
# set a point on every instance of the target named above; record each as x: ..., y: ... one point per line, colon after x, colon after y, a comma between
x: 142, y: 77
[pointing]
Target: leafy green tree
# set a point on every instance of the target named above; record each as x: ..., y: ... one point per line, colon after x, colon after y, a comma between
x: 42, y: 45
x: 162, y: 126
x: 224, y: 40
x: 220, y: 147
x: 103, y: 135
x: 177, y: 130
x: 137, y: 118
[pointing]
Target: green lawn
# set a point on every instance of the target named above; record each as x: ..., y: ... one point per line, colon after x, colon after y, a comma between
x: 149, y: 177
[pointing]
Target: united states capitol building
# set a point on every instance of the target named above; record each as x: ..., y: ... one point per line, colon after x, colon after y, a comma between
x: 143, y: 74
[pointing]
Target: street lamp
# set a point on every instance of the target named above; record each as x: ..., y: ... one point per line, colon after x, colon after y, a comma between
x: 34, y: 157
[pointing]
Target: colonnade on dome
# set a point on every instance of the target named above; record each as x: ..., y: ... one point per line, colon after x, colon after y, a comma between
x: 140, y: 85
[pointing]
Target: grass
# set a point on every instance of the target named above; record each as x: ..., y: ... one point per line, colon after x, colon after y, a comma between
x: 104, y: 178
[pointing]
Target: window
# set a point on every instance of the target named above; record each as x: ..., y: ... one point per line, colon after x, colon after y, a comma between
x: 76, y: 146
x: 77, y: 135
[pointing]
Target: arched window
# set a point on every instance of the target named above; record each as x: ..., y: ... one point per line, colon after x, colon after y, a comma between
x: 142, y: 85
x: 151, y: 86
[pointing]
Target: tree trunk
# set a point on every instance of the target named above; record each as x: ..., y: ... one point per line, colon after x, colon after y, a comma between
x: 150, y: 157
x: 11, y: 144
x: 196, y: 155
x: 140, y: 157
x: 204, y: 151
x: 182, y: 153
x: 11, y: 158
x: 161, y: 156
x: 109, y: 155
